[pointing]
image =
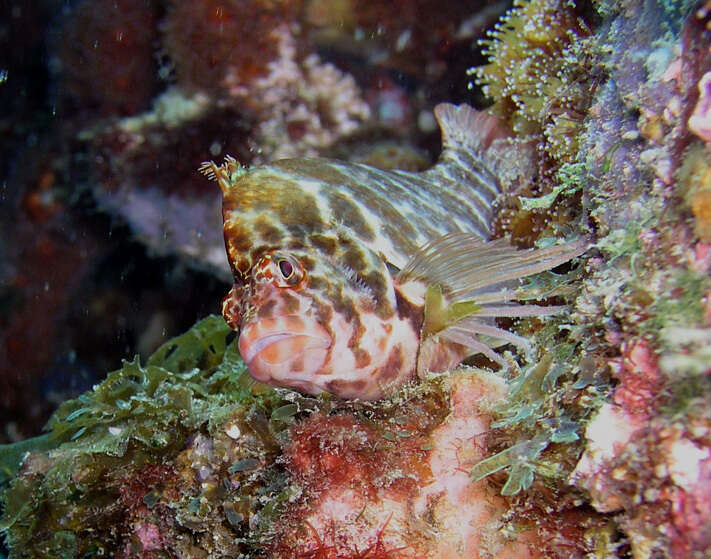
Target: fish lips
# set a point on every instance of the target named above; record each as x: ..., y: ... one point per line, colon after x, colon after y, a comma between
x: 282, y: 356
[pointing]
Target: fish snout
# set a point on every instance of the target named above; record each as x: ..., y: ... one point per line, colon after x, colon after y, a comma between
x: 284, y: 351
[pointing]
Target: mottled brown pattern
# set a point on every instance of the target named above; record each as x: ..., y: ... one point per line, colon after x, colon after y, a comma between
x: 406, y: 310
x: 338, y: 386
x: 382, y: 343
x: 266, y: 310
x: 324, y: 315
x: 362, y: 357
x: 266, y: 229
x: 362, y: 184
x: 392, y: 367
x: 238, y: 236
x: 347, y: 212
x: 377, y: 282
x: 394, y: 220
x: 317, y: 283
x: 298, y: 208
x: 291, y: 303
x: 315, y: 169
x: 341, y: 304
x: 297, y: 245
x: 257, y: 252
x: 230, y: 203
x: 231, y: 307
x: 242, y: 266
x: 263, y: 191
x: 354, y: 259
x: 358, y: 331
x: 323, y: 312
x: 325, y: 243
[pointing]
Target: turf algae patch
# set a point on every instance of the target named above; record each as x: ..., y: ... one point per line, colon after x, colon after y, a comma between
x: 148, y: 440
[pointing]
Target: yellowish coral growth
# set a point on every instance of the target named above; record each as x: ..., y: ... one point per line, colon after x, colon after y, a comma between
x: 694, y: 181
x: 538, y: 72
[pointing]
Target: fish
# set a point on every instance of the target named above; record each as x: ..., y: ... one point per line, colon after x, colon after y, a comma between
x: 353, y: 280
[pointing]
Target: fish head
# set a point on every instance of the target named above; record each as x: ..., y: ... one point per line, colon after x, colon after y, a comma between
x: 314, y: 304
x: 281, y: 334
x: 309, y: 321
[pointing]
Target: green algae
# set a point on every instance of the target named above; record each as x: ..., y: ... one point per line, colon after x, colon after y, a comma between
x: 570, y: 178
x: 538, y: 428
x: 184, y: 449
x: 546, y: 407
x: 519, y: 459
x: 186, y: 383
x: 638, y: 336
x: 120, y: 443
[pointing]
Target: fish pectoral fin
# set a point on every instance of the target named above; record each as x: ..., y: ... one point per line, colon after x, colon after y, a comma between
x: 470, y: 283
x: 439, y: 315
x: 466, y: 267
x: 438, y: 356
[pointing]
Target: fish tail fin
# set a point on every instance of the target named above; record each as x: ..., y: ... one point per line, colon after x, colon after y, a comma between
x: 467, y: 164
x: 224, y: 174
x: 465, y: 128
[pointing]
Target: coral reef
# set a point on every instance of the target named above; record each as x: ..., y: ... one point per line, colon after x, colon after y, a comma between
x: 304, y: 106
x: 539, y: 72
x: 598, y: 446
x: 629, y: 365
x: 387, y: 479
x: 117, y: 444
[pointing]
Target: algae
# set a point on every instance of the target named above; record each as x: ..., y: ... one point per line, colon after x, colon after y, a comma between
x: 122, y: 443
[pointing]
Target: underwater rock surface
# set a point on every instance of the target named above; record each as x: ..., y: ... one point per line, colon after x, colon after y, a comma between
x: 186, y: 456
x: 599, y: 446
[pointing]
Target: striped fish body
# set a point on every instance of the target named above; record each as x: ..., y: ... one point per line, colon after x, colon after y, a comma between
x: 332, y: 263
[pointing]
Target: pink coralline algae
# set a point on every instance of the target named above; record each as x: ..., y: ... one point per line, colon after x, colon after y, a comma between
x: 149, y: 537
x: 640, y: 379
x: 657, y: 472
x: 689, y: 466
x: 700, y: 120
x: 598, y: 447
x: 403, y: 493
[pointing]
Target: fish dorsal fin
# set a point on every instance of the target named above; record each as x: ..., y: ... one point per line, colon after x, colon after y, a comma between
x: 463, y: 127
x: 225, y: 174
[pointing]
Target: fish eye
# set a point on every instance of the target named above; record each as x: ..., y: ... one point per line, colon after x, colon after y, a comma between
x: 285, y: 267
x: 287, y: 270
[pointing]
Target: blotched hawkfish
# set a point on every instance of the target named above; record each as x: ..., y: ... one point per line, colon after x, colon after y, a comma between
x: 352, y: 280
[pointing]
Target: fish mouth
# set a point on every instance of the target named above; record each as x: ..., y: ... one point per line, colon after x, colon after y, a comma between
x: 278, y: 356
